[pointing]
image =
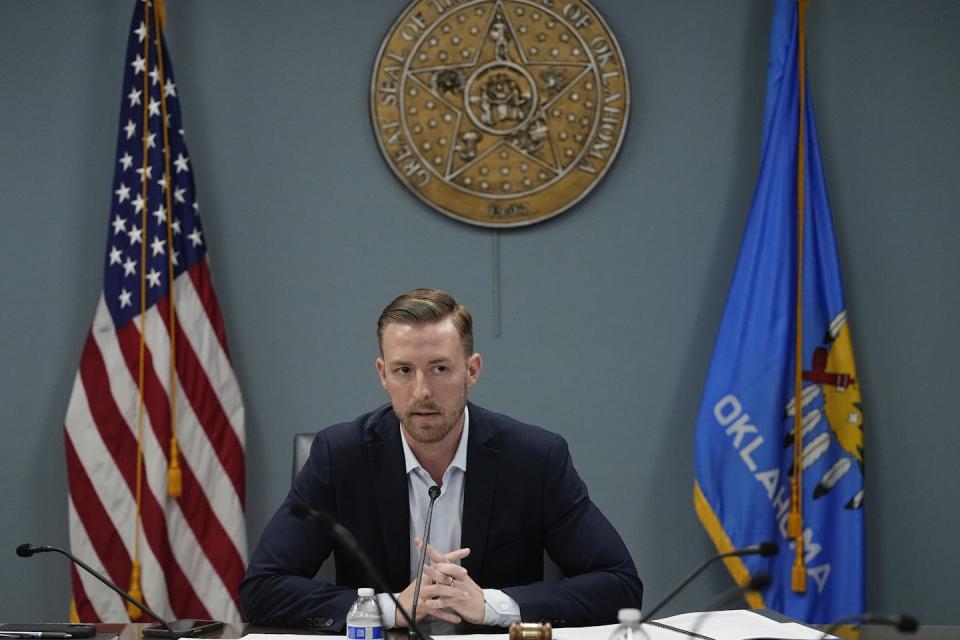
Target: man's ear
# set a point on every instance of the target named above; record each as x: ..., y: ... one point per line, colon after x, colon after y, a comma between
x: 382, y: 372
x: 474, y: 364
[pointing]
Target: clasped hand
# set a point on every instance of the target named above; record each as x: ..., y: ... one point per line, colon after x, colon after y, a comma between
x: 447, y: 591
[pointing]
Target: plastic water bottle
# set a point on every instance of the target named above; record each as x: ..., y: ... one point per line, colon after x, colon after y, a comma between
x: 629, y: 627
x: 363, y: 619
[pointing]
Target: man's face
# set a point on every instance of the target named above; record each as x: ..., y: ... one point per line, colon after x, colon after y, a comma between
x: 426, y: 375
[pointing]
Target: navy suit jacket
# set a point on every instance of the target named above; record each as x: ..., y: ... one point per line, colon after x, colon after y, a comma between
x: 522, y: 496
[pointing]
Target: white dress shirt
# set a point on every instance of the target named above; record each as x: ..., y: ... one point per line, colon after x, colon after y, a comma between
x: 446, y: 526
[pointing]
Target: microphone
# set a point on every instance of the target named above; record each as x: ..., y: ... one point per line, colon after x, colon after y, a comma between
x: 757, y: 582
x: 348, y: 543
x: 765, y: 549
x: 26, y: 550
x: 905, y: 623
x: 434, y: 493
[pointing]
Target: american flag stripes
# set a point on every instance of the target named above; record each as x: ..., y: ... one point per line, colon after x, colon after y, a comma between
x: 154, y: 431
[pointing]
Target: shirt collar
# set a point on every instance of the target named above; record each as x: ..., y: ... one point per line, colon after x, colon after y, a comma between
x: 459, y: 457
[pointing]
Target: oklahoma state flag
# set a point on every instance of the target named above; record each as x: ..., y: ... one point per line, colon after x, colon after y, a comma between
x: 757, y: 478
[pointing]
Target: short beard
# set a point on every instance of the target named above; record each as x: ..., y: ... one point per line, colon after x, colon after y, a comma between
x: 431, y: 435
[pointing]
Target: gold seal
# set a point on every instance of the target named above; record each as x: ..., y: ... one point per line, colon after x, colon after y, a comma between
x: 500, y: 113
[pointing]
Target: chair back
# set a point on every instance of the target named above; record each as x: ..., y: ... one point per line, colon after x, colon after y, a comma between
x: 301, y: 451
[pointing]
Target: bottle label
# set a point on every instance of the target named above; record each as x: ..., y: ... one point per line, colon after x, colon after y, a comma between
x: 365, y: 633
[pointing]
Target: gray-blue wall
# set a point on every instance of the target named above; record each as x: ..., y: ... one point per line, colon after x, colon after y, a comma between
x: 608, y: 312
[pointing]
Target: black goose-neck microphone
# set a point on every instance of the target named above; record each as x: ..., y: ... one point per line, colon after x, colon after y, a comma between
x: 765, y: 549
x: 757, y: 582
x: 26, y: 550
x: 434, y: 493
x: 349, y: 544
x: 905, y: 623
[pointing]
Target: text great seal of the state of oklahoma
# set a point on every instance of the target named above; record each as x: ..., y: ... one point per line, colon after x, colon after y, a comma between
x: 500, y: 113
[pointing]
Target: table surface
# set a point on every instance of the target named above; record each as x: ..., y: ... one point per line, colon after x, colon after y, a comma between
x: 233, y: 631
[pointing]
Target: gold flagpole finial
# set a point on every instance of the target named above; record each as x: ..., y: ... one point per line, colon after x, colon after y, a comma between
x: 161, y: 13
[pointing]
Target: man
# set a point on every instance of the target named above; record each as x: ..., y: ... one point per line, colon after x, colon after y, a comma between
x: 509, y: 492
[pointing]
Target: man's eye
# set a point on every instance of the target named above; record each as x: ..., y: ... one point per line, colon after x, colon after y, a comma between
x: 440, y: 368
x: 403, y: 370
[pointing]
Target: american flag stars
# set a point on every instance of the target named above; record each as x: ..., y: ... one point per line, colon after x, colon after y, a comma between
x: 143, y: 207
x: 139, y: 64
x: 135, y: 235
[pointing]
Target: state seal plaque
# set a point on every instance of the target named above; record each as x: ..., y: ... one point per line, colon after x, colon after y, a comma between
x: 499, y: 113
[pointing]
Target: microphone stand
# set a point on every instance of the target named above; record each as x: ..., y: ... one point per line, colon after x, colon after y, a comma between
x: 434, y: 493
x: 764, y: 549
x: 757, y: 582
x: 349, y: 544
x: 27, y: 550
x: 904, y: 623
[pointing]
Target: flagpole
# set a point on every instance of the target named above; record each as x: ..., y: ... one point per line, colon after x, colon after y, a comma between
x: 795, y: 520
x: 174, y: 473
x: 135, y: 589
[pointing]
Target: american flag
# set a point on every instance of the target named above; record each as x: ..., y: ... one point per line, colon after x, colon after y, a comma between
x: 155, y: 461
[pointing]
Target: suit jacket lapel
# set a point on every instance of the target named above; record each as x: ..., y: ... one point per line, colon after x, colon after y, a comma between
x: 478, y: 492
x: 390, y: 491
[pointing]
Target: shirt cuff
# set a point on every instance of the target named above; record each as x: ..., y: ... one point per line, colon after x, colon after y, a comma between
x: 388, y: 610
x: 500, y: 610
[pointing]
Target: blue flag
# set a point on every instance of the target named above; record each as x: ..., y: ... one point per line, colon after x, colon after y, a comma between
x: 744, y: 456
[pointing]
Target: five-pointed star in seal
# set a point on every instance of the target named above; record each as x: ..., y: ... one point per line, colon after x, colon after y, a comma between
x: 500, y: 42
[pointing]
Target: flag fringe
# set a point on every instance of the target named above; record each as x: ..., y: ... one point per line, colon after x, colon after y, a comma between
x: 711, y: 523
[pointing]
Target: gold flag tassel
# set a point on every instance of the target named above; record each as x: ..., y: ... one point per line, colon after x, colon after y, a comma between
x: 798, y: 575
x: 135, y: 592
x: 174, y: 475
x: 74, y: 614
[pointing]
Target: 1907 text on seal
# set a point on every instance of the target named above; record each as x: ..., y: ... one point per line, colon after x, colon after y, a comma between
x: 500, y: 113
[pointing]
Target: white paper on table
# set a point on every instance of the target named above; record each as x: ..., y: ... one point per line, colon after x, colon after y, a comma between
x: 740, y: 624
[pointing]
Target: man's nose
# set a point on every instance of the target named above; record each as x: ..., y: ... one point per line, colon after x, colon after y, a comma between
x: 421, y: 389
